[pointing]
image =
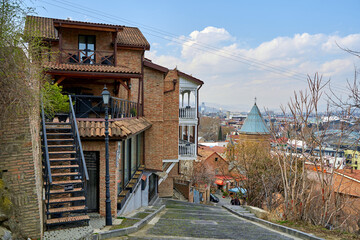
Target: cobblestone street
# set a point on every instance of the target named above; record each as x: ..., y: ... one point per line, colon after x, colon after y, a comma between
x: 182, y: 220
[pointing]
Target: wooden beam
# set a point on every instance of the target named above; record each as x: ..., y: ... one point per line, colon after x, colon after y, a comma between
x: 86, y: 27
x: 60, y: 80
x: 78, y: 74
x: 123, y: 84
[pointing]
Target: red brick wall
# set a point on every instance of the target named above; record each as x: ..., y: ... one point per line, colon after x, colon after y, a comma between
x: 219, y: 167
x: 130, y: 58
x: 100, y: 146
x: 171, y: 116
x: 20, y: 165
x: 153, y: 111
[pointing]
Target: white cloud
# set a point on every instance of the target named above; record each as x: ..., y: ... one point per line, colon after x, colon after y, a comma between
x: 235, y: 75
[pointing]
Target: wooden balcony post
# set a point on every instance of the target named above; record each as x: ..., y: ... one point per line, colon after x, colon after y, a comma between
x: 60, y: 43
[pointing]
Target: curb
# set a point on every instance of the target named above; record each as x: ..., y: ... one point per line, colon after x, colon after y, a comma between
x: 124, y: 231
x: 290, y: 231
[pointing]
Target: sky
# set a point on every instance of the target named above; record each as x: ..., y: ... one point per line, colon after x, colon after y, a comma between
x: 240, y: 49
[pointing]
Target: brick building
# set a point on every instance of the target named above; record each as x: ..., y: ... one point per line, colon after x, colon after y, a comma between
x: 150, y: 131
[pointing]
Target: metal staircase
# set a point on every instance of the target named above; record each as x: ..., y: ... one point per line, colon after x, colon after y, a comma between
x: 64, y: 173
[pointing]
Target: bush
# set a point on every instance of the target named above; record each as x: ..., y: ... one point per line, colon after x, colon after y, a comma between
x: 54, y: 101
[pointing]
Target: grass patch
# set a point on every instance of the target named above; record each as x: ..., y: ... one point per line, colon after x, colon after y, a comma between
x: 141, y: 215
x: 320, y: 231
x: 120, y: 217
x: 125, y: 223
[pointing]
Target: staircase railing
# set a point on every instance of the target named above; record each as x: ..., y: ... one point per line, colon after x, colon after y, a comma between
x: 78, y: 146
x: 46, y: 159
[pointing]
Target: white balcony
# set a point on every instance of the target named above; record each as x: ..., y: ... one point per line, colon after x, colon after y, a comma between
x: 187, y: 112
x: 187, y: 150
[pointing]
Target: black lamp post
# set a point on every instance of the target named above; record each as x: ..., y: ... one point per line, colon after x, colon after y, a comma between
x: 106, y: 97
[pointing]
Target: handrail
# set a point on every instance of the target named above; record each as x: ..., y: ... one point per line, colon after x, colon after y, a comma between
x: 47, y: 158
x: 78, y: 138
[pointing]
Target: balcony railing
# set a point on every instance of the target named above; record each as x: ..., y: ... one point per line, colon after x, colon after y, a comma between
x: 88, y: 106
x: 92, y: 57
x: 187, y: 112
x: 187, y: 149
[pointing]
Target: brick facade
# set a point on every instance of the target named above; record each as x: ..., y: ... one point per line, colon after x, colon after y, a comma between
x: 20, y: 166
x: 99, y: 146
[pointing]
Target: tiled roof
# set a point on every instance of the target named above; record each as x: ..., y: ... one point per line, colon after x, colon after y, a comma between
x: 89, y: 68
x: 119, y: 128
x: 44, y: 28
x: 254, y: 123
x: 205, y: 151
x: 41, y: 27
x: 132, y: 36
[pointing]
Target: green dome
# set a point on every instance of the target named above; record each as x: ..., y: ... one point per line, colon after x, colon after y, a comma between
x: 254, y: 123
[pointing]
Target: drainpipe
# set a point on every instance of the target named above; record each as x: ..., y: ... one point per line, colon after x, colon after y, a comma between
x: 197, y: 111
x: 174, y: 81
x: 142, y: 86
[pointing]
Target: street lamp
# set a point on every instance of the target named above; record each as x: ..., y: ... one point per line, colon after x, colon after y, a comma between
x: 106, y: 97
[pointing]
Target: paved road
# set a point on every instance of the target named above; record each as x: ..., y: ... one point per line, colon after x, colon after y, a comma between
x: 181, y: 220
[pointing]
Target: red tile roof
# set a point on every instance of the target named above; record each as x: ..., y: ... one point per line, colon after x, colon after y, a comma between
x: 117, y: 129
x: 44, y: 28
x: 89, y: 68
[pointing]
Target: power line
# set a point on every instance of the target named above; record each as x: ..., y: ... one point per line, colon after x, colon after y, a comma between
x: 198, y: 46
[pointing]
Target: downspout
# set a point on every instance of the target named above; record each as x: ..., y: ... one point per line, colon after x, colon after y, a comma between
x: 142, y: 86
x: 197, y: 111
x: 174, y: 81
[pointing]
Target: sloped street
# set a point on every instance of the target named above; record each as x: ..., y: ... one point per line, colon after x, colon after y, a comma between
x: 181, y: 220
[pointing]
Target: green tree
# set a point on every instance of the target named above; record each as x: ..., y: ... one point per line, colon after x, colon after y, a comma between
x: 220, y: 134
x: 18, y: 72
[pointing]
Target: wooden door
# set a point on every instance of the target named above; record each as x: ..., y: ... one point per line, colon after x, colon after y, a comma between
x: 92, y: 194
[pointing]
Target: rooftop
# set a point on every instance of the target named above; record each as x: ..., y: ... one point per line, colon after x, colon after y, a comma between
x: 254, y: 123
x: 46, y: 28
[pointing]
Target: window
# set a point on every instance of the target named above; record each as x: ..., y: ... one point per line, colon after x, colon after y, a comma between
x: 216, y: 159
x: 87, y: 49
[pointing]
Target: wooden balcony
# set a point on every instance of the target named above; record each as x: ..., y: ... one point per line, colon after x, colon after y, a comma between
x: 88, y: 106
x: 91, y: 57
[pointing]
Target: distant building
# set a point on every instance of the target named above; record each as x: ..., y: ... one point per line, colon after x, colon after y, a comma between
x: 254, y: 127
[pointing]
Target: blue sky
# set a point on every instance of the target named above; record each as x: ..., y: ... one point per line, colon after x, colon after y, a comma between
x: 235, y: 46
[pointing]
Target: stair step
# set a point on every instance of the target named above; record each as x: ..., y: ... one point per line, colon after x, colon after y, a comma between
x: 66, y: 182
x: 64, y: 166
x: 61, y: 146
x: 67, y: 219
x: 59, y: 134
x: 67, y: 209
x: 59, y: 191
x: 124, y: 193
x: 66, y: 199
x: 62, y: 159
x: 57, y: 123
x: 65, y: 174
x: 63, y: 152
x: 61, y: 140
x: 58, y: 128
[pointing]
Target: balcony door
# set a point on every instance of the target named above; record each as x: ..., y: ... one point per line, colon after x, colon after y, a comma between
x: 87, y: 49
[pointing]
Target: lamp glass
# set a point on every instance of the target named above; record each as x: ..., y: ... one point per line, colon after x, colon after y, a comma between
x: 106, y: 95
